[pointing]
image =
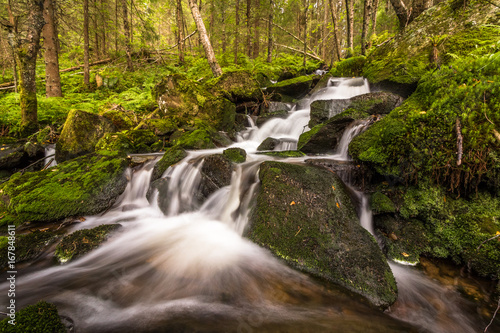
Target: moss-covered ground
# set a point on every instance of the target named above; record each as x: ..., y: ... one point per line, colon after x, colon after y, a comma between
x: 41, y: 317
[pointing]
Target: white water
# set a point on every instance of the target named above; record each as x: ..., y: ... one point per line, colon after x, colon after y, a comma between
x: 191, y: 265
x: 50, y: 151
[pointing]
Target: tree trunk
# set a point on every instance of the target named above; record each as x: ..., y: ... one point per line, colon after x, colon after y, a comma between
x: 86, y: 69
x: 418, y: 7
x: 366, y: 20
x: 52, y: 77
x: 324, y: 31
x: 128, y: 44
x: 270, y: 32
x: 336, y: 41
x: 256, y: 30
x: 209, y: 52
x: 374, y: 21
x: 237, y: 31
x: 116, y: 26
x: 25, y: 49
x: 305, y: 33
x: 104, y: 21
x: 96, y: 31
x: 249, y: 28
x: 180, y: 31
x: 401, y: 12
x: 349, y: 5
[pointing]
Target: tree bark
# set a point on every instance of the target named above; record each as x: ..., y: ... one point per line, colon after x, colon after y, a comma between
x: 270, y: 32
x: 256, y: 30
x: 128, y: 44
x: 209, y: 52
x: 249, y: 28
x: 374, y: 21
x: 401, y: 12
x: 25, y: 51
x: 336, y: 40
x: 86, y: 69
x: 324, y: 31
x: 96, y: 31
x: 349, y: 5
x: 180, y: 31
x: 366, y: 20
x: 52, y: 77
x: 237, y: 31
x: 306, y: 9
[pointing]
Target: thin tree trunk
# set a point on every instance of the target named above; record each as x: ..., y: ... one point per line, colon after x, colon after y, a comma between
x: 237, y: 31
x: 249, y: 28
x: 401, y: 12
x: 86, y: 70
x: 128, y: 44
x: 52, y: 77
x: 25, y: 51
x: 349, y: 5
x: 209, y: 52
x: 366, y: 21
x: 374, y: 21
x: 323, y: 31
x: 131, y: 21
x: 180, y: 31
x: 305, y: 33
x: 116, y: 26
x: 270, y: 32
x: 256, y: 30
x: 336, y: 40
x: 224, y: 42
x: 96, y: 31
x: 104, y: 20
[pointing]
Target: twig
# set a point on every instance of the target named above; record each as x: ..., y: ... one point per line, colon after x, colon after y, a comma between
x: 493, y: 318
x: 22, y: 170
x: 460, y: 140
x: 492, y: 3
x: 182, y: 41
x: 300, y: 51
x: 492, y: 238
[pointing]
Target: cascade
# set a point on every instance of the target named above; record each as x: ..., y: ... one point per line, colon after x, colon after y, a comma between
x: 189, y: 266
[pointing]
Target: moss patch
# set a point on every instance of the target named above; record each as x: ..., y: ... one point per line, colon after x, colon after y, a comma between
x: 236, y: 155
x: 27, y: 246
x: 41, y: 317
x: 380, y: 203
x: 132, y: 141
x: 172, y: 156
x: 349, y: 67
x: 83, y: 241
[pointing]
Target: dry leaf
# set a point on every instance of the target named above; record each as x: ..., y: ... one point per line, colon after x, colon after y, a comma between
x: 405, y: 254
x: 338, y: 206
x: 292, y: 203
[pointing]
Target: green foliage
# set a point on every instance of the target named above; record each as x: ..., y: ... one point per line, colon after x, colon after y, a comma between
x: 349, y: 67
x: 41, y: 317
x: 236, y: 155
x: 380, y: 203
x: 28, y: 246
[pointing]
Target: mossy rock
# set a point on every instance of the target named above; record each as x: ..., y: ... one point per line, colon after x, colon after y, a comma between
x: 131, y: 141
x: 350, y: 67
x: 406, y: 57
x: 237, y: 86
x: 380, y: 203
x: 18, y: 156
x: 305, y: 216
x: 28, y: 246
x: 82, y: 186
x: 262, y: 118
x: 162, y: 127
x: 81, y: 132
x: 294, y: 88
x: 268, y: 144
x: 172, y: 156
x: 81, y: 242
x: 283, y: 154
x: 236, y: 155
x: 202, y: 137
x: 41, y: 317
x: 216, y: 172
x: 119, y: 118
x: 323, y: 138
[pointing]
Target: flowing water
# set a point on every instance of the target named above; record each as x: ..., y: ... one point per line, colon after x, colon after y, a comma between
x: 178, y: 265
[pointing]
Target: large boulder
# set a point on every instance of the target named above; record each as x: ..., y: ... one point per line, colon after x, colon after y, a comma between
x: 324, y: 138
x: 86, y: 185
x: 172, y: 156
x: 81, y: 132
x: 305, y: 216
x: 294, y: 88
x: 216, y: 173
x: 237, y: 86
x: 131, y: 141
x: 268, y: 144
x: 184, y: 100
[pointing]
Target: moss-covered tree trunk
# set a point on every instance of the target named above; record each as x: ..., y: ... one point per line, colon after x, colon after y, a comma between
x: 366, y: 20
x: 25, y: 47
x: 270, y: 32
x: 209, y: 51
x: 50, y: 42
x: 180, y: 30
x: 333, y: 10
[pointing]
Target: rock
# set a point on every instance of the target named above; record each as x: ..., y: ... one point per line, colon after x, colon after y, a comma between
x: 132, y: 141
x: 40, y: 317
x: 283, y: 154
x: 83, y: 186
x: 371, y: 104
x: 323, y: 138
x: 294, y: 88
x: 172, y: 156
x: 202, y: 138
x: 356, y: 175
x: 28, y: 246
x: 268, y: 144
x: 81, y: 132
x: 236, y: 155
x: 305, y: 216
x: 18, y: 156
x: 283, y: 114
x: 216, y: 173
x: 119, y: 117
x: 350, y: 67
x: 162, y: 127
x: 380, y: 203
x: 237, y: 86
x: 81, y: 242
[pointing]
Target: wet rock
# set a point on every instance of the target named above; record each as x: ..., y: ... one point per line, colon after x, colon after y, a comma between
x: 82, y: 242
x: 28, y: 247
x: 305, y: 216
x: 380, y: 203
x: 270, y: 115
x: 294, y: 88
x: 268, y: 144
x: 172, y: 156
x: 356, y: 175
x: 323, y: 138
x: 322, y: 110
x: 81, y: 132
x: 283, y: 154
x: 83, y: 186
x: 216, y: 173
x: 18, y: 156
x: 236, y: 155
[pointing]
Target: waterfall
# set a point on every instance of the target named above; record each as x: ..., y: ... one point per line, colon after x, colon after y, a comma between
x: 50, y: 151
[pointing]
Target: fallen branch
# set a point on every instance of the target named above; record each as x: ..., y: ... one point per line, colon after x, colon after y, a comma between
x: 105, y: 61
x: 5, y: 88
x: 143, y: 122
x: 300, y: 51
x: 460, y: 140
x: 493, y: 318
x: 492, y: 238
x: 182, y: 41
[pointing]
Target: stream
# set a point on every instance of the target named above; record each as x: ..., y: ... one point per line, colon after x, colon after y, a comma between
x: 178, y: 266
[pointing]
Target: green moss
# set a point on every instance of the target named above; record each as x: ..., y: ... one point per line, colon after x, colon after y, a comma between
x: 236, y: 155
x: 83, y: 241
x: 27, y: 246
x: 132, y: 141
x: 300, y: 79
x: 237, y: 85
x: 119, y: 118
x: 380, y: 203
x: 41, y: 317
x: 306, y: 136
x: 284, y: 154
x: 162, y: 127
x: 349, y: 67
x: 172, y: 156
x: 85, y: 185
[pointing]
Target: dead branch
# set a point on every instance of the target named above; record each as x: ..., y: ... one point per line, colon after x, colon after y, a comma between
x: 182, y: 41
x: 492, y: 238
x: 459, y: 142
x: 493, y: 318
x: 300, y: 51
x: 143, y: 122
x: 100, y: 62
